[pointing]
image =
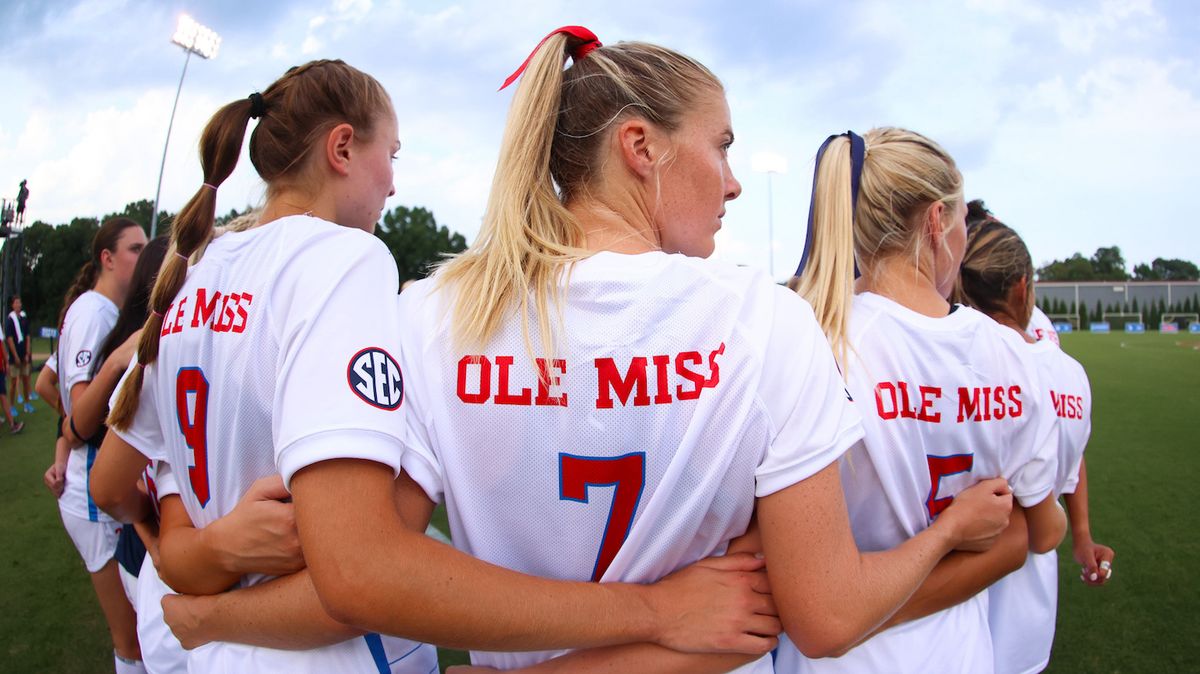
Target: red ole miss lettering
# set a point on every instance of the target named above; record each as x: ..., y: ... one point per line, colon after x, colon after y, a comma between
x: 215, y: 310
x: 646, y: 380
x: 902, y: 400
x: 1067, y: 406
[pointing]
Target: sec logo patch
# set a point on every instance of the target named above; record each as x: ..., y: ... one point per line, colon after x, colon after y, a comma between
x: 375, y: 377
x: 83, y: 358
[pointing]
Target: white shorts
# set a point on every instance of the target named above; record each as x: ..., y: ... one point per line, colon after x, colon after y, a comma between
x: 95, y: 541
x: 130, y: 583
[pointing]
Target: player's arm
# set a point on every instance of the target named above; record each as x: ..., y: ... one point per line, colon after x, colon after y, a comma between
x: 284, y: 613
x: 961, y: 575
x: 55, y: 477
x: 364, y: 563
x: 47, y: 387
x: 652, y: 657
x: 257, y: 536
x: 829, y: 594
x: 1047, y: 524
x: 90, y: 407
x: 114, y: 477
x: 1095, y: 558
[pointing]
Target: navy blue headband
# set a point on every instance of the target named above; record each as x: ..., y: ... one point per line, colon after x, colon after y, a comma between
x: 858, y: 152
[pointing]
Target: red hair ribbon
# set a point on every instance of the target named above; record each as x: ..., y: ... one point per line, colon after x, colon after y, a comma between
x: 590, y: 42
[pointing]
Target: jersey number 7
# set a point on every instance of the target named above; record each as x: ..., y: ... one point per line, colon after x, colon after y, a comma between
x: 191, y: 407
x: 627, y: 474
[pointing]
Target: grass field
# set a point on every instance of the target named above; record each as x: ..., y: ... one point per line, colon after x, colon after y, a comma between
x: 1142, y: 468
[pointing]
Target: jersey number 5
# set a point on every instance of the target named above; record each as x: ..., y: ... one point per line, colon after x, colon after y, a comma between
x: 939, y: 467
x: 626, y: 473
x: 191, y: 406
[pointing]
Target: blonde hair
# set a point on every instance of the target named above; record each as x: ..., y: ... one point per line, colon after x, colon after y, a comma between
x: 903, y: 175
x: 995, y: 261
x: 296, y: 111
x: 553, y: 146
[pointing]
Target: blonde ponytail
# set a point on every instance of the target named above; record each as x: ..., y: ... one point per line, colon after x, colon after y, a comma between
x: 553, y: 144
x: 827, y: 280
x: 528, y: 235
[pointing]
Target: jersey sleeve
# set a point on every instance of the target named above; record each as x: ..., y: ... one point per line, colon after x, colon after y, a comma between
x: 339, y: 389
x: 165, y: 483
x: 144, y: 433
x: 421, y: 462
x: 813, y: 419
x: 84, y: 332
x: 1033, y: 465
x: 1070, y: 473
x: 52, y: 363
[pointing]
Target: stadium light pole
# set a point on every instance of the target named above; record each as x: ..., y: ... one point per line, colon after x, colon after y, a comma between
x: 203, y: 42
x: 770, y: 164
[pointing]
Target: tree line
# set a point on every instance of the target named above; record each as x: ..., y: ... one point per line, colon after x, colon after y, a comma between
x: 1107, y: 264
x: 1152, y: 311
x: 53, y: 254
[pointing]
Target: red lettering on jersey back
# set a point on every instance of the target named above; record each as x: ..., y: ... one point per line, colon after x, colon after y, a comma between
x: 243, y: 315
x: 985, y: 403
x: 503, y: 397
x: 483, y: 380
x: 663, y: 396
x: 547, y: 380
x: 1014, y: 400
x: 609, y: 380
x: 697, y: 379
x: 205, y: 307
x: 928, y: 395
x: 885, y: 400
x: 893, y: 400
x: 968, y: 403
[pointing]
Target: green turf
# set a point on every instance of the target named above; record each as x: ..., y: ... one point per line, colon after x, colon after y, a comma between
x: 1141, y: 469
x: 1142, y: 473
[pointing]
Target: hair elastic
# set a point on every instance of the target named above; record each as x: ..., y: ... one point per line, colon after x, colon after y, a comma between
x: 589, y: 44
x: 858, y: 152
x: 156, y: 313
x: 258, y: 107
x: 181, y: 256
x: 210, y: 186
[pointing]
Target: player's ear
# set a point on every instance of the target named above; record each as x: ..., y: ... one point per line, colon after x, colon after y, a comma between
x: 338, y: 144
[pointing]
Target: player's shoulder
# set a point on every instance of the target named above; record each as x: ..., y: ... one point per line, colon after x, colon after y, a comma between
x: 89, y: 308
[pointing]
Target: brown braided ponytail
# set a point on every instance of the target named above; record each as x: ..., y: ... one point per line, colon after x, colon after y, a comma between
x: 296, y: 112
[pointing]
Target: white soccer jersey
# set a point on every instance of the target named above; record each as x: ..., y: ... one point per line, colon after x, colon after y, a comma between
x: 1022, y: 605
x: 946, y: 402
x: 278, y: 352
x: 1041, y: 327
x: 88, y: 321
x: 161, y: 651
x: 683, y: 389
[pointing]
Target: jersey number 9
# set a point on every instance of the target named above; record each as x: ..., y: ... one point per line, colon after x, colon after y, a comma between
x: 191, y: 406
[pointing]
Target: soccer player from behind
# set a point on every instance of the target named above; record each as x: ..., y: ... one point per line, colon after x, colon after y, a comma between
x: 587, y: 325
x: 947, y: 397
x: 997, y: 279
x: 223, y: 392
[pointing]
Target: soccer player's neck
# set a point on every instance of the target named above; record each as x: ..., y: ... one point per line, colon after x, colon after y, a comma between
x: 911, y: 286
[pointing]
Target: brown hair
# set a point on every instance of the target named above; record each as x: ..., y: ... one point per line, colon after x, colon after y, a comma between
x: 106, y: 239
x: 904, y: 174
x: 553, y: 146
x: 995, y: 261
x: 296, y: 111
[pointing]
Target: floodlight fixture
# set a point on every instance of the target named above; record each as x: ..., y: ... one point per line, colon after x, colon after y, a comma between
x: 770, y: 164
x: 196, y: 37
x: 204, y: 42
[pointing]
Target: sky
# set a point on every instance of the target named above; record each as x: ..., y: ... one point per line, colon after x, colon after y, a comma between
x: 1078, y: 122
